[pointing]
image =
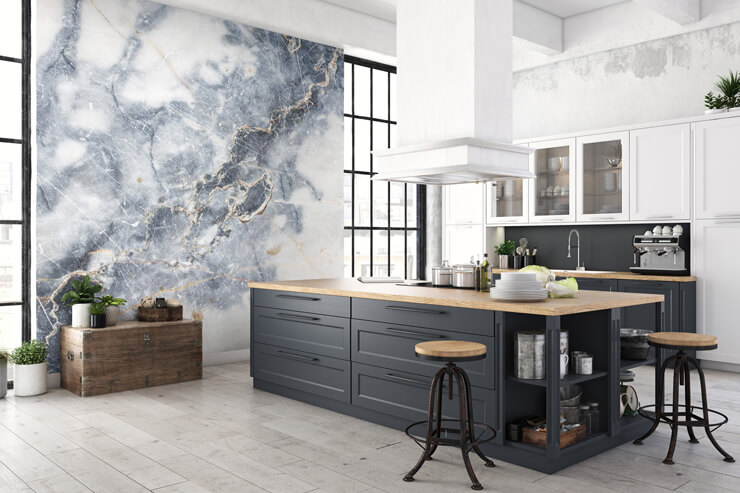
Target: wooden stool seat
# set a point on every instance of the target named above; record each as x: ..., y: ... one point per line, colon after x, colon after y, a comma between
x: 450, y: 350
x: 682, y: 340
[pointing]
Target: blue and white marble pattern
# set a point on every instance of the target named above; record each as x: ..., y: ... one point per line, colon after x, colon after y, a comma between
x: 181, y: 155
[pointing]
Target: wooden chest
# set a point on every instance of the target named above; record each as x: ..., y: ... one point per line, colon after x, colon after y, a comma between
x: 130, y: 355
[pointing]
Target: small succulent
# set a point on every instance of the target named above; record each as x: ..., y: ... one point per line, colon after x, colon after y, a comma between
x: 109, y: 300
x: 97, y: 309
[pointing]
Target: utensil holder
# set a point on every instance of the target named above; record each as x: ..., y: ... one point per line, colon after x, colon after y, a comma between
x: 518, y: 261
x: 530, y: 260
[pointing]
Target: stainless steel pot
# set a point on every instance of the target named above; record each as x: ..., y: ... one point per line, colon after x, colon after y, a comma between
x: 442, y: 274
x: 463, y: 276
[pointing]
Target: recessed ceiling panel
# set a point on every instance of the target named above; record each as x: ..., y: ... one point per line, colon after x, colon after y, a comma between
x: 567, y: 8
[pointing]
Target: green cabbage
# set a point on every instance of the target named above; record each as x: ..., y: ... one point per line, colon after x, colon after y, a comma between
x: 544, y: 275
x: 565, y: 288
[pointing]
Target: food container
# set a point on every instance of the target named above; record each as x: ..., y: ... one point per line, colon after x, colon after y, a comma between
x: 463, y: 276
x: 442, y: 274
x: 633, y: 344
x: 529, y: 355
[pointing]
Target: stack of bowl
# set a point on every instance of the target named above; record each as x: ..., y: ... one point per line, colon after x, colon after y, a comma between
x: 570, y: 398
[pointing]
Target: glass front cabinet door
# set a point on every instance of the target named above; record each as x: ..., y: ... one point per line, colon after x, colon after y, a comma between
x: 603, y: 177
x: 552, y: 191
x: 506, y: 201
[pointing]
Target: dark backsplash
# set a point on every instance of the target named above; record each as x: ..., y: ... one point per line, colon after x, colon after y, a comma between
x: 603, y: 247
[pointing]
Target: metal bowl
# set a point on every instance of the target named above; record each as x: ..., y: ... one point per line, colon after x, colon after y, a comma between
x: 570, y: 395
x: 633, y: 344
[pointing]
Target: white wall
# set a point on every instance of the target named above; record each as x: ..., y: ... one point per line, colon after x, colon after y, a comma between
x: 651, y: 81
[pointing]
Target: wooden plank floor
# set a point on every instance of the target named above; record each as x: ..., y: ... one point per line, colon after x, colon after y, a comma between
x: 219, y: 434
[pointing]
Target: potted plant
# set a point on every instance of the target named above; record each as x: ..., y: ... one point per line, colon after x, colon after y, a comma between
x: 4, y: 356
x: 97, y: 315
x: 80, y: 298
x: 29, y: 360
x: 504, y: 251
x: 729, y: 99
x: 112, y: 308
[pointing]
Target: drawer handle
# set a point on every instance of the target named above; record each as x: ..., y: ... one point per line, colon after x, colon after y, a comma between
x: 407, y: 380
x: 415, y: 310
x: 294, y: 297
x: 297, y: 317
x: 412, y: 333
x: 297, y: 356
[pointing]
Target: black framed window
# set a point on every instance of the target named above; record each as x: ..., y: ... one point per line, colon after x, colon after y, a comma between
x: 383, y: 222
x: 15, y: 172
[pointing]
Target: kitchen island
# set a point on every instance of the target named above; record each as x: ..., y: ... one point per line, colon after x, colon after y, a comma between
x: 349, y: 347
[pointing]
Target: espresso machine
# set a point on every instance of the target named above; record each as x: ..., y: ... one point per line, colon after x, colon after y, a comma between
x: 661, y: 251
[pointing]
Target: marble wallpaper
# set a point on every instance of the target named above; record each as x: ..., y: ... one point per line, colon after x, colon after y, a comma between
x: 182, y: 155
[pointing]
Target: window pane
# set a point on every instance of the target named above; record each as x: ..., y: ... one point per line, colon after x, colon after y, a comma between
x: 347, y: 253
x: 348, y: 87
x: 10, y: 100
x: 362, y: 253
x: 347, y: 199
x: 411, y: 205
x: 11, y: 170
x: 380, y: 204
x: 398, y: 253
x: 380, y: 94
x: 362, y: 145
x: 10, y: 263
x: 411, y: 255
x: 362, y: 200
x: 380, y: 253
x: 347, y: 143
x: 394, y: 116
x: 362, y: 91
x: 10, y: 29
x: 394, y: 136
x: 397, y: 205
x: 11, y: 318
x: 380, y: 135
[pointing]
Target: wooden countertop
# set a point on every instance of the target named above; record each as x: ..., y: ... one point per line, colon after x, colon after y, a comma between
x: 585, y: 301
x: 632, y: 276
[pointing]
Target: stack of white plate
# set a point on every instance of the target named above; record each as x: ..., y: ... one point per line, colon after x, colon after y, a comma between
x: 518, y: 286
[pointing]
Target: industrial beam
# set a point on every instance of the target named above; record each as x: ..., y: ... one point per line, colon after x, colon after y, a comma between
x: 679, y: 11
x: 541, y: 30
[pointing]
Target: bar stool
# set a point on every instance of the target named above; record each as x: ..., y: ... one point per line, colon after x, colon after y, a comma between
x: 681, y: 376
x: 450, y: 352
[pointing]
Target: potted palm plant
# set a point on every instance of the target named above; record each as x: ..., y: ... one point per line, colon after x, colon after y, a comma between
x: 729, y: 97
x: 29, y: 360
x: 112, y: 309
x: 97, y: 315
x: 79, y: 298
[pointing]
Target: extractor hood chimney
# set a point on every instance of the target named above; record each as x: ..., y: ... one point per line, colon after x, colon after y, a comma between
x: 454, y: 95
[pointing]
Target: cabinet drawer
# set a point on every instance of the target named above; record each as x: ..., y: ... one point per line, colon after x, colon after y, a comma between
x: 313, y: 333
x: 392, y: 346
x: 315, y: 374
x: 590, y: 284
x: 432, y: 316
x: 406, y: 395
x: 302, y: 302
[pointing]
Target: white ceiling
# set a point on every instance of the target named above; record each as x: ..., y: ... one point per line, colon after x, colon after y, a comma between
x: 568, y: 8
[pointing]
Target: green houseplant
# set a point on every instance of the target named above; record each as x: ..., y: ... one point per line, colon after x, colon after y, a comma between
x: 729, y: 97
x: 79, y: 298
x: 504, y: 251
x: 97, y: 315
x: 30, y: 368
x: 112, y: 308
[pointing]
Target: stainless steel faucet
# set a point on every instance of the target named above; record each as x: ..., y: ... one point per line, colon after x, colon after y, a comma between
x: 578, y: 246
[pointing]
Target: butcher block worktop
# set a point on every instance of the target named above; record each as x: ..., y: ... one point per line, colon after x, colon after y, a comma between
x: 585, y: 301
x: 632, y: 276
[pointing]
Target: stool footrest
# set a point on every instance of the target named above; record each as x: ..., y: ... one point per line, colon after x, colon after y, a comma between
x: 690, y: 419
x: 454, y: 442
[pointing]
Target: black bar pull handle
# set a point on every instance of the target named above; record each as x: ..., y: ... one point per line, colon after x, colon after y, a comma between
x: 413, y: 333
x: 294, y: 297
x: 415, y: 310
x: 407, y: 380
x: 298, y: 317
x: 297, y: 356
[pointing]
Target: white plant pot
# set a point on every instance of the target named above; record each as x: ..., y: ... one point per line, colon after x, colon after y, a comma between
x: 112, y: 314
x: 734, y: 108
x: 712, y: 112
x: 29, y: 380
x: 81, y: 315
x: 3, y: 377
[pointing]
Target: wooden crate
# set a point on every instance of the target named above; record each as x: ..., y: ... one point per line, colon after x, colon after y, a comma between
x: 568, y: 438
x: 130, y: 355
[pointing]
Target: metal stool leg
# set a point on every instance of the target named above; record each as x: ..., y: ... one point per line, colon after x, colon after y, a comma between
x: 464, y: 440
x: 674, y: 424
x: 658, y: 407
x: 705, y: 408
x: 438, y: 417
x: 689, y: 409
x: 429, y: 437
x: 471, y: 421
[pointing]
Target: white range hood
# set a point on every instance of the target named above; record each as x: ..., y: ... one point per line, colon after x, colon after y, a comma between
x: 454, y: 95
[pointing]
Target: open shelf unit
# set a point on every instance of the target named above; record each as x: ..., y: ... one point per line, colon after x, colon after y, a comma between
x: 568, y: 380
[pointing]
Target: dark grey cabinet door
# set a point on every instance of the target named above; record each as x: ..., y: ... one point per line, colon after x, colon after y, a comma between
x: 591, y: 284
x: 392, y: 346
x: 687, y: 302
x: 406, y: 395
x: 312, y: 373
x: 643, y: 316
x: 313, y: 333
x: 302, y: 302
x: 446, y: 318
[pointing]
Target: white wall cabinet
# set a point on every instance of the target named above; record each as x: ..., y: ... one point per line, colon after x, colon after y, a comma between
x: 463, y: 203
x: 552, y: 191
x: 660, y: 173
x: 507, y: 202
x: 461, y: 241
x: 716, y: 266
x: 717, y: 168
x: 602, y: 177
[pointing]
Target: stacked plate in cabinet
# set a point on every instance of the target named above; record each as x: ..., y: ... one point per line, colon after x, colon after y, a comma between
x: 518, y: 286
